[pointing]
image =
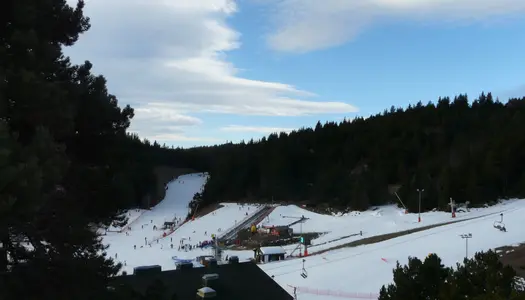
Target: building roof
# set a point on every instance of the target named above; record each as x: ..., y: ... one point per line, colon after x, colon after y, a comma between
x: 206, y: 289
x: 236, y: 281
x: 272, y: 250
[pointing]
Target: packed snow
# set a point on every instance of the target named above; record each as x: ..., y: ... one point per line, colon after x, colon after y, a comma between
x: 132, y: 215
x: 144, y: 242
x: 365, y: 269
x: 356, y: 272
x: 355, y: 225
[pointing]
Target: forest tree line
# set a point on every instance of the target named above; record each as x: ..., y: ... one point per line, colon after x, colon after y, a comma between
x: 455, y: 148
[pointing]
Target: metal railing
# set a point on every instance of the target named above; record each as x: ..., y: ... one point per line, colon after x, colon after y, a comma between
x: 228, y: 234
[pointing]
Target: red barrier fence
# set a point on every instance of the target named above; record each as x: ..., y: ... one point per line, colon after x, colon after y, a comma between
x: 332, y: 293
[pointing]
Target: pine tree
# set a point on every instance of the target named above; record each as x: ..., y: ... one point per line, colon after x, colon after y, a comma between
x: 51, y: 251
x: 482, y: 278
x: 484, y: 274
x: 417, y: 280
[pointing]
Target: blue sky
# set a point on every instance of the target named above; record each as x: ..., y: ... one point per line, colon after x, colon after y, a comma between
x: 202, y: 72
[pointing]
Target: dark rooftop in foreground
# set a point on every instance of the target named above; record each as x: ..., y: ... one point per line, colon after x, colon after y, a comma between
x: 233, y: 281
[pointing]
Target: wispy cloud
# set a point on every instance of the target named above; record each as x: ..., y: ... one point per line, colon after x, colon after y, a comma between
x: 307, y: 25
x: 168, y: 59
x: 257, y: 129
x: 183, y: 138
x: 155, y: 114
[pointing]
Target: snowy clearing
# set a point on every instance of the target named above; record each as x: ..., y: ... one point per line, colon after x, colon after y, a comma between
x: 356, y: 272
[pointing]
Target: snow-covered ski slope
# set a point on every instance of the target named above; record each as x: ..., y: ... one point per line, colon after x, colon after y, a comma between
x: 131, y: 215
x: 160, y: 252
x: 142, y: 245
x: 339, y: 230
x: 174, y: 206
x: 365, y: 269
x: 362, y: 269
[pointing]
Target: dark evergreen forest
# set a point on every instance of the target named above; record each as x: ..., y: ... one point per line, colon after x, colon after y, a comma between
x: 454, y: 148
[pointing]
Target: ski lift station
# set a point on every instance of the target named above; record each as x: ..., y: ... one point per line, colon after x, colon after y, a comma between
x: 269, y: 254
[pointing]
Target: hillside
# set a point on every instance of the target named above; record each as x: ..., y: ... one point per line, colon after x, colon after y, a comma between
x: 373, y: 240
x: 467, y: 150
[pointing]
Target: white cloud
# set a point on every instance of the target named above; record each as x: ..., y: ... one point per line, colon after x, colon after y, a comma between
x: 307, y: 25
x: 185, y: 138
x: 266, y: 107
x: 157, y: 124
x: 257, y: 129
x: 154, y: 114
x: 167, y: 59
